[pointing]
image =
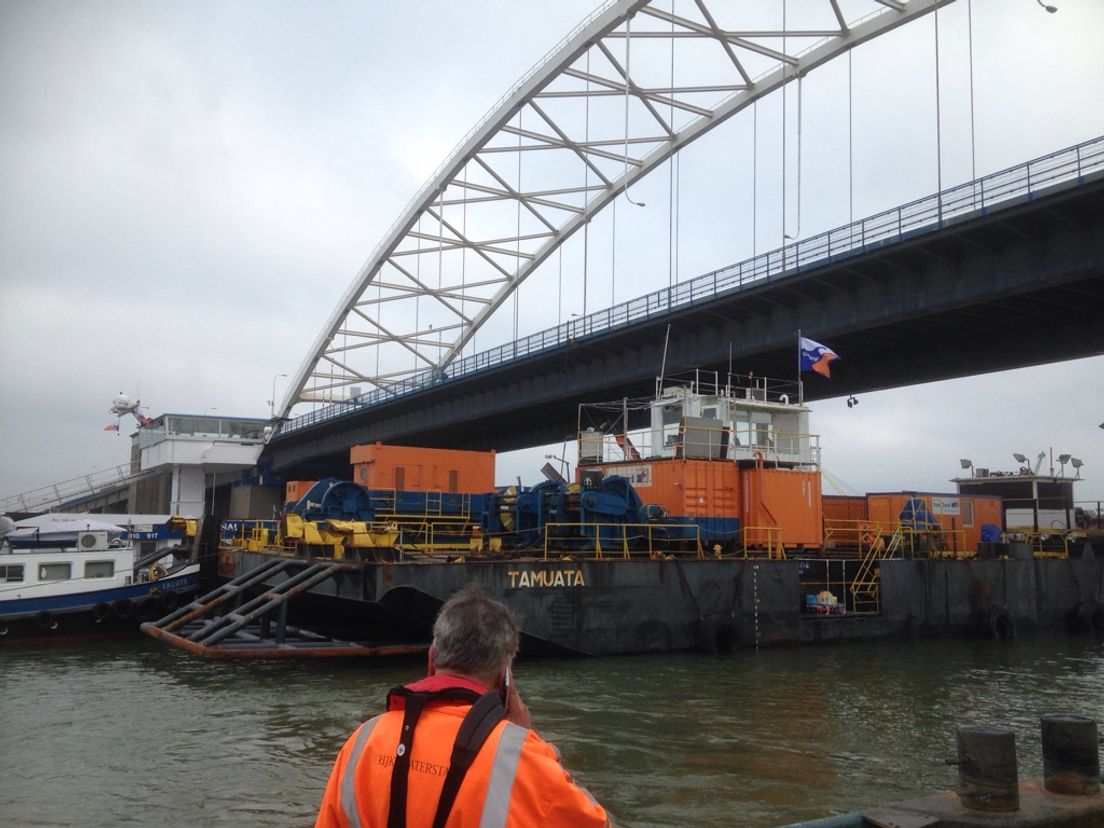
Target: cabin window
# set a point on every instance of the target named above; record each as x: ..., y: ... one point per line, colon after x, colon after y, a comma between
x: 10, y: 573
x: 55, y: 572
x: 99, y: 569
x: 967, y: 512
x: 753, y: 428
x: 672, y: 418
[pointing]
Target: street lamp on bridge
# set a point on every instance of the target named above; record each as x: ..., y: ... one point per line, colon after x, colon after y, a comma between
x: 272, y: 402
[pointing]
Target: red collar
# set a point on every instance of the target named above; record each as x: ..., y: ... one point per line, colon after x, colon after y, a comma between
x: 438, y: 681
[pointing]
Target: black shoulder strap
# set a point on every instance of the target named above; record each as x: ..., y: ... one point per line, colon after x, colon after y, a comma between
x: 485, y: 713
x: 483, y: 717
x: 400, y: 771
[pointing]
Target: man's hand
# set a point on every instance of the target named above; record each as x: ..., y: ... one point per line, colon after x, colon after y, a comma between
x: 516, y: 710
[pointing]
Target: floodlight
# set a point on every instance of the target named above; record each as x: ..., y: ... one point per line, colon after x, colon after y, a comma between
x: 966, y: 464
x: 1019, y: 458
x: 1076, y: 463
x: 1063, y: 458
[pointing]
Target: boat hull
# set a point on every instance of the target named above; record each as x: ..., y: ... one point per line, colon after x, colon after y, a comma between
x: 598, y: 607
x: 113, y: 611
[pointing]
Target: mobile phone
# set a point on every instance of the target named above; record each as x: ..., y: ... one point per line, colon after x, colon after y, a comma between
x: 506, y: 689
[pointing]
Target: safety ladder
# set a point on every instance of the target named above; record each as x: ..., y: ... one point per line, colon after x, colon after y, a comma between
x: 227, y: 623
x: 434, y: 502
x: 866, y: 587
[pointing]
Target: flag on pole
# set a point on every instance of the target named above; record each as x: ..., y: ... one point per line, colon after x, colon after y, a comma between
x: 112, y: 427
x: 815, y: 357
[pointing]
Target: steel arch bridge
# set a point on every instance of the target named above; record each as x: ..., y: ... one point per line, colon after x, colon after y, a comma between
x: 599, y: 112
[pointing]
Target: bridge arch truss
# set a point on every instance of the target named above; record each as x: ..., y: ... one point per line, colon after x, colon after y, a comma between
x: 602, y: 110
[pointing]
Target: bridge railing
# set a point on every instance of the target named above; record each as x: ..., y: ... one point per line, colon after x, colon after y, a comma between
x: 924, y: 215
x: 54, y: 495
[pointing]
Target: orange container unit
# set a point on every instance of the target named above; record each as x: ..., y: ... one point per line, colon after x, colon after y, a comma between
x: 960, y: 516
x: 684, y: 488
x: 410, y: 469
x: 788, y: 499
x: 841, y: 508
x: 885, y: 509
x: 295, y: 489
x: 843, y: 519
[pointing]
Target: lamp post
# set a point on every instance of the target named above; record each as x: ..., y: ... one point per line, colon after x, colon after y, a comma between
x: 272, y: 402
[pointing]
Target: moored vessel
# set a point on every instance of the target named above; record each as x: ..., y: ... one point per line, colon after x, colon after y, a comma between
x: 695, y: 520
x: 75, y: 577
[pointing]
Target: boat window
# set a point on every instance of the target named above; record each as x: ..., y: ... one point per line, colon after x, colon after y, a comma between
x: 672, y: 418
x: 54, y: 571
x: 672, y: 414
x: 753, y: 428
x: 99, y: 569
x: 967, y: 512
x: 12, y: 572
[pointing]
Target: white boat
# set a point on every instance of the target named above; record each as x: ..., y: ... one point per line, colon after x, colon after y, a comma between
x: 69, y: 577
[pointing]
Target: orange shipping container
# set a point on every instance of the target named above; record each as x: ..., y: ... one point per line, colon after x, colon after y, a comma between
x: 959, y: 515
x: 684, y: 488
x: 842, y: 508
x: 785, y: 498
x: 295, y: 489
x: 843, y: 515
x: 410, y: 469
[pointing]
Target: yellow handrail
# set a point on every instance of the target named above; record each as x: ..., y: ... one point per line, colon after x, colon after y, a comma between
x: 770, y: 536
x: 596, y: 531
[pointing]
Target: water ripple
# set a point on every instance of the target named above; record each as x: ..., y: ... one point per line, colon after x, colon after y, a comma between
x: 131, y: 733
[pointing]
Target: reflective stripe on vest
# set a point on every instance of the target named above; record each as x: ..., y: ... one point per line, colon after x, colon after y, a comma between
x: 496, y: 805
x: 348, y: 777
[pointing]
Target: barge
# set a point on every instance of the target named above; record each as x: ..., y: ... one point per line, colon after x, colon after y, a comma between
x: 694, y: 521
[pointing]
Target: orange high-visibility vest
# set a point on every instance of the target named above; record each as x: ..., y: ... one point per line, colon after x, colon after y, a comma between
x: 515, y: 781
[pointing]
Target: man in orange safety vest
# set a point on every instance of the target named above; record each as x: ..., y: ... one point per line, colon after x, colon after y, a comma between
x: 455, y: 749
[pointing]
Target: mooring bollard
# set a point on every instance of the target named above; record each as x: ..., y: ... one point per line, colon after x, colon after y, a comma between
x: 988, y: 779
x: 1071, y: 755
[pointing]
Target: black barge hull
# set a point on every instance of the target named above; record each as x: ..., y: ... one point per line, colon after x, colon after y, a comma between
x: 601, y: 607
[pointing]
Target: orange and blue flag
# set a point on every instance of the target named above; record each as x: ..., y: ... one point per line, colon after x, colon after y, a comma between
x: 815, y: 357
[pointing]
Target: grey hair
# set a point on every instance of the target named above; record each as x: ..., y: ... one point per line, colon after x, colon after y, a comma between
x: 475, y: 635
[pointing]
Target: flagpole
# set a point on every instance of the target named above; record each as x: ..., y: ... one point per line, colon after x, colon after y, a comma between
x: 800, y: 384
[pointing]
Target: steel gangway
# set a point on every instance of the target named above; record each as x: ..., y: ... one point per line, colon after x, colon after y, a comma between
x: 247, y: 617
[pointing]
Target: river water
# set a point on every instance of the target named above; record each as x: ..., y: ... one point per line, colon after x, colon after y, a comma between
x: 136, y: 733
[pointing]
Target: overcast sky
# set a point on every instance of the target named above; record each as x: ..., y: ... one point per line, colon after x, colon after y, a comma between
x: 187, y: 189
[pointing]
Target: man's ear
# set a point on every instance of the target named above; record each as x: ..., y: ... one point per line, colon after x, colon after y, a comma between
x: 431, y: 667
